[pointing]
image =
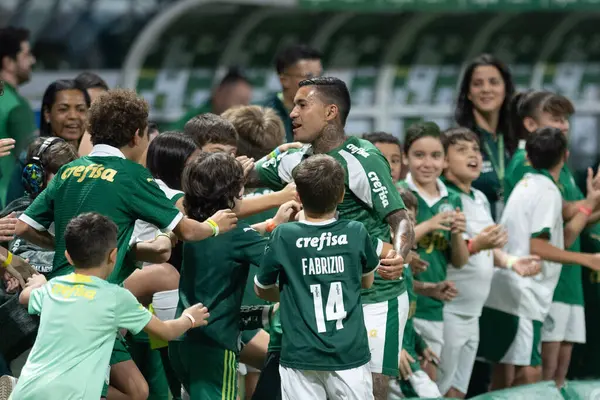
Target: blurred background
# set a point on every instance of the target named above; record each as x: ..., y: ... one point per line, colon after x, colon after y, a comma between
x: 402, y: 59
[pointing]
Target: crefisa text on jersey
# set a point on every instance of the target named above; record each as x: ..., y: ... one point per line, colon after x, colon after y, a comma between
x: 379, y: 189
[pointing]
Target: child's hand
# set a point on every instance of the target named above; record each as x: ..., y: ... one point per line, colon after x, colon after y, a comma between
x: 429, y: 356
x: 441, y: 221
x: 288, y: 193
x: 6, y: 145
x: 492, y: 237
x: 7, y: 227
x: 459, y: 222
x: 527, y: 266
x: 247, y: 164
x: 445, y: 291
x: 20, y: 270
x: 199, y: 313
x: 405, y: 361
x: 286, y: 212
x: 225, y: 219
x: 37, y: 280
x: 11, y: 283
x: 417, y: 265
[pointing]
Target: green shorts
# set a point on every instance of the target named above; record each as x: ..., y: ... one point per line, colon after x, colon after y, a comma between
x: 247, y: 336
x: 150, y: 364
x: 509, y: 339
x: 206, y: 372
x: 119, y: 354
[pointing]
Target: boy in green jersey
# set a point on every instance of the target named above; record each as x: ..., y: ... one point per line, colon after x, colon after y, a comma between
x: 80, y: 314
x: 439, y: 232
x: 321, y: 264
x: 565, y: 323
x: 110, y: 181
x: 321, y: 108
x: 413, y: 381
x: 259, y: 131
x: 215, y: 270
x: 390, y: 147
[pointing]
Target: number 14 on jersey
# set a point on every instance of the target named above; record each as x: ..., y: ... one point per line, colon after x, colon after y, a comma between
x: 334, y: 309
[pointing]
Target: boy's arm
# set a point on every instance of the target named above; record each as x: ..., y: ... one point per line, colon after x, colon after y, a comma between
x: 584, y: 211
x: 541, y: 247
x: 155, y: 251
x: 370, y: 258
x: 37, y: 237
x: 256, y: 204
x: 189, y: 230
x: 284, y: 214
x: 367, y: 280
x: 459, y: 251
x: 192, y: 317
x: 33, y: 283
x: 265, y: 282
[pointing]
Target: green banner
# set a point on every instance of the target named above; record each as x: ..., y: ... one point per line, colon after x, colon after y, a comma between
x: 452, y: 5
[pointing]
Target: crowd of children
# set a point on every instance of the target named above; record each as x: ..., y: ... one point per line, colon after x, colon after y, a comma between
x: 337, y: 267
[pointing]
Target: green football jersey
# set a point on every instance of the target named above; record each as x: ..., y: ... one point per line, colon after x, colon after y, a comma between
x: 319, y: 267
x: 106, y: 183
x: 370, y: 195
x: 433, y: 248
x: 250, y: 297
x: 214, y: 273
x: 569, y: 289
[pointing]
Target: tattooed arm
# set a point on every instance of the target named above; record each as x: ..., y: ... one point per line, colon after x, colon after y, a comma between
x: 403, y: 232
x: 403, y: 238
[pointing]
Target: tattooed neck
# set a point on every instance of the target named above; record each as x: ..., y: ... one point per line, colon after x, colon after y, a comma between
x: 332, y: 137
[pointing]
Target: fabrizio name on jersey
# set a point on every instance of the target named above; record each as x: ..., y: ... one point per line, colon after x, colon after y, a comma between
x: 322, y: 265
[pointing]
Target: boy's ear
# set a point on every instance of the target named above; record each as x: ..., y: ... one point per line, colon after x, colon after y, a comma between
x: 135, y: 139
x: 68, y: 257
x: 112, y: 257
x: 342, y: 198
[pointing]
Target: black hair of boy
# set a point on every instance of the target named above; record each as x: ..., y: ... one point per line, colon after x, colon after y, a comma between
x: 210, y: 128
x: 546, y: 148
x: 418, y: 131
x: 211, y: 182
x: 452, y: 136
x: 116, y: 117
x: 409, y: 199
x: 332, y: 91
x: 382, y: 137
x: 320, y: 184
x: 89, y: 238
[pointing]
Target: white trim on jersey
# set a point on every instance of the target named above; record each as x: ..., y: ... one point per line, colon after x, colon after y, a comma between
x: 358, y: 182
x: 260, y: 285
x: 288, y: 162
x: 32, y: 223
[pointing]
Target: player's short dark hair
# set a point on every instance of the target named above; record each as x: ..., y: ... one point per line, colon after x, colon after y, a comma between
x: 152, y: 127
x: 49, y: 99
x: 89, y: 238
x: 290, y: 55
x: 546, y: 148
x: 418, y: 131
x: 409, y: 199
x: 453, y: 135
x: 90, y: 80
x: 234, y: 75
x: 54, y: 157
x: 211, y: 182
x: 332, y: 91
x: 320, y: 183
x: 382, y: 137
x: 10, y: 42
x: 116, y: 116
x: 167, y: 156
x: 210, y: 128
x: 259, y: 130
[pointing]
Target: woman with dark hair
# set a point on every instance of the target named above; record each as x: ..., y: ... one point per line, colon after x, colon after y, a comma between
x: 64, y: 114
x: 64, y: 111
x: 483, y: 106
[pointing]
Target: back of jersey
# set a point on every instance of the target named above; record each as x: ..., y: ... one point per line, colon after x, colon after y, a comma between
x: 320, y: 268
